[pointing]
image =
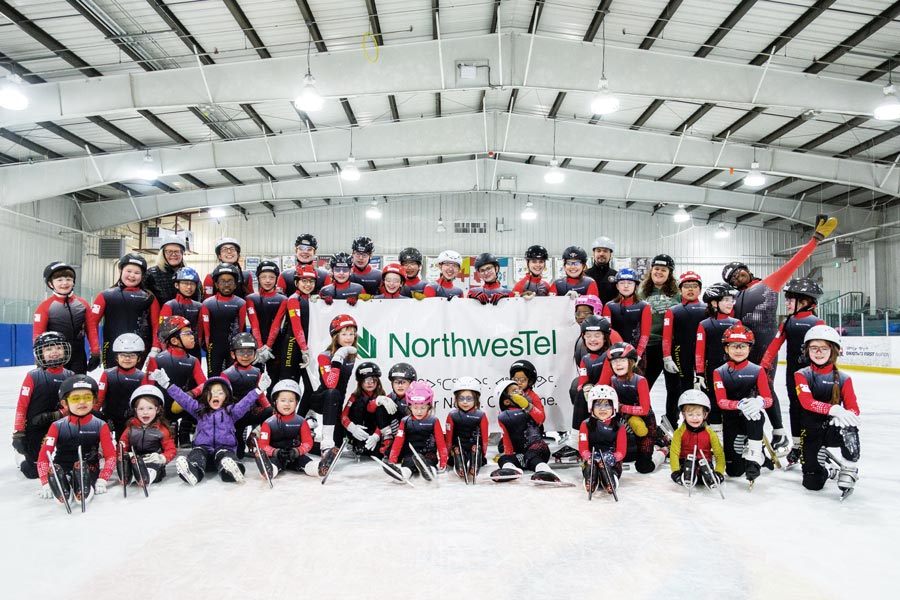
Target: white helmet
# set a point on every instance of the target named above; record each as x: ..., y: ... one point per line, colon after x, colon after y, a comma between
x: 603, y: 392
x: 146, y: 390
x: 822, y: 332
x: 173, y: 240
x: 287, y: 385
x: 449, y: 256
x: 693, y: 397
x: 604, y: 242
x: 501, y: 387
x: 467, y: 383
x: 128, y: 342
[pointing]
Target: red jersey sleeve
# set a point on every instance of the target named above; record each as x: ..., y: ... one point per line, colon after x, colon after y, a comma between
x: 449, y: 435
x: 345, y: 414
x: 428, y: 291
x: 771, y: 354
x: 250, y: 314
x: 537, y: 407
x: 49, y: 445
x: 108, y: 449
x: 667, y: 333
x: 621, y: 444
x: 275, y: 329
x: 762, y: 387
x: 700, y: 351
x: 776, y: 280
x: 328, y: 373
x: 646, y: 324
x: 722, y: 399
x: 593, y: 290
x: 154, y: 323
x: 484, y: 435
x: 582, y: 374
x: 606, y: 373
x: 204, y: 322
x: 101, y: 390
x: 584, y: 448
x: 397, y: 445
x: 280, y: 284
x: 41, y: 316
x: 440, y: 441
x: 92, y: 322
x: 508, y: 449
x: 306, y: 439
x: 208, y: 289
x: 168, y: 444
x: 25, y: 392
x: 293, y: 311
x: 265, y: 432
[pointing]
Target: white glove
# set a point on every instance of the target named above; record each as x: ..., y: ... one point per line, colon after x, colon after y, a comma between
x: 358, y: 432
x: 314, y: 298
x: 264, y: 354
x: 264, y: 382
x: 100, y: 486
x: 751, y: 407
x: 699, y: 382
x: 154, y: 458
x: 372, y: 441
x: 571, y: 294
x: 586, y: 389
x: 161, y: 377
x: 669, y: 364
x: 45, y: 492
x: 841, y: 417
x: 153, y: 352
x: 389, y: 405
x: 304, y: 358
x: 341, y: 354
x: 528, y: 295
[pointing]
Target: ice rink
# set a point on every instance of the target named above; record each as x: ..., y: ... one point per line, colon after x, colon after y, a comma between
x: 363, y: 536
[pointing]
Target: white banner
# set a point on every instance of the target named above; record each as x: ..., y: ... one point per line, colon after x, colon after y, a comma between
x: 446, y: 340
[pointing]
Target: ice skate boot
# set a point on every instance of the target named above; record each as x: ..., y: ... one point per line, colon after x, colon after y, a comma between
x: 543, y: 473
x: 328, y: 457
x: 566, y: 455
x: 231, y: 470
x: 189, y: 473
x: 507, y: 472
x: 780, y: 443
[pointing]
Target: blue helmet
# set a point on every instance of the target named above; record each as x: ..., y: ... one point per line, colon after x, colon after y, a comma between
x: 187, y: 274
x: 627, y: 275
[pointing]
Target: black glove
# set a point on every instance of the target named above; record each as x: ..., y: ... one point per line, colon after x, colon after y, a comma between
x: 46, y: 418
x: 286, y: 455
x: 94, y: 361
x: 498, y: 297
x: 720, y: 477
x: 18, y: 441
x: 676, y: 476
x: 352, y: 300
x: 480, y: 296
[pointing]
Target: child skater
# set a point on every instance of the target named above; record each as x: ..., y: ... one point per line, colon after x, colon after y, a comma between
x: 117, y: 383
x: 187, y: 280
x: 631, y: 317
x: 148, y: 436
x: 694, y: 440
x: 223, y: 316
x: 533, y: 284
x: 393, y: 279
x: 800, y: 299
x: 449, y: 263
x: 78, y: 430
x: 268, y: 304
x: 411, y: 261
x: 742, y: 392
x: 574, y: 266
x: 420, y: 430
x: 63, y: 312
x: 830, y: 414
x: 523, y: 445
x: 216, y: 441
x: 38, y: 404
x: 294, y: 353
x: 244, y: 377
x: 467, y: 428
x: 602, y: 438
x: 356, y: 417
x: 285, y: 436
x: 391, y: 408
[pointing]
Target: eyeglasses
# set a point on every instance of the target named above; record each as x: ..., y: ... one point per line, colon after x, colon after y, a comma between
x: 172, y: 252
x: 400, y: 382
x: 465, y: 399
x: 520, y: 379
x: 128, y: 355
x: 358, y: 253
x: 573, y: 263
x: 244, y: 352
x: 738, y: 346
x: 340, y: 269
x: 818, y: 349
x: 186, y: 333
x: 305, y: 248
x: 80, y: 397
x: 690, y: 286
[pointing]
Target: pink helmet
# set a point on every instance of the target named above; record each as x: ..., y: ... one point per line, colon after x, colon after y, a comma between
x: 419, y: 392
x: 590, y: 300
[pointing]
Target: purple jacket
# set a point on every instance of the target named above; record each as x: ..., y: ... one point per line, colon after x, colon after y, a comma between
x: 215, y: 430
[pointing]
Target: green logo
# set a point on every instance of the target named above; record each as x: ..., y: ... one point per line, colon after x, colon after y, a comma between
x: 367, y: 344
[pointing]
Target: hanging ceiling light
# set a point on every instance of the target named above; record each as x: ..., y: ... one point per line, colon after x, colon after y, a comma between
x: 309, y: 99
x: 440, y: 227
x: 555, y: 175
x: 604, y: 102
x: 440, y: 224
x: 681, y: 215
x: 889, y: 110
x: 350, y: 172
x: 147, y: 171
x: 373, y: 211
x: 12, y: 94
x: 216, y: 213
x: 722, y: 232
x: 754, y: 177
x: 528, y: 213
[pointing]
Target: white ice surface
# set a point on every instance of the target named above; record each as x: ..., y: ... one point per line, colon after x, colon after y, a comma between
x: 362, y: 536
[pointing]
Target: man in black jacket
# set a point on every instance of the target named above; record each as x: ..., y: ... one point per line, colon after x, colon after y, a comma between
x: 601, y: 271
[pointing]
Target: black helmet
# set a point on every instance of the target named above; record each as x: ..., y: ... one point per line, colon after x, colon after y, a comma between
x: 77, y: 382
x: 363, y: 244
x: 226, y: 269
x: 170, y: 327
x: 367, y: 369
x: 486, y: 258
x: 402, y: 371
x: 575, y: 253
x: 341, y: 259
x: 596, y: 323
x: 729, y: 269
x: 243, y: 340
x: 306, y: 239
x: 663, y: 260
x: 410, y: 255
x: 226, y: 241
x: 527, y: 368
x: 47, y: 339
x: 621, y: 350
x: 133, y: 258
x: 268, y: 266
x: 55, y: 267
x: 536, y: 252
x: 717, y: 291
x: 804, y: 286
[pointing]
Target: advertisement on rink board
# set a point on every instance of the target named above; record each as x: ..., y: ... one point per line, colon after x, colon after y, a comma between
x: 445, y: 340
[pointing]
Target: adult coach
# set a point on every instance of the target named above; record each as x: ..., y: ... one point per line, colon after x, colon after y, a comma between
x: 601, y: 271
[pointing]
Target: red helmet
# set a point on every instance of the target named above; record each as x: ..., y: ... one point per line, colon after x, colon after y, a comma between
x: 339, y: 322
x: 393, y: 268
x: 689, y: 276
x: 738, y: 333
x: 171, y: 327
x: 305, y: 272
x: 621, y: 350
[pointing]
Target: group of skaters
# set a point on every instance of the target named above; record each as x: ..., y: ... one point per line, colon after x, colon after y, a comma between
x: 716, y: 347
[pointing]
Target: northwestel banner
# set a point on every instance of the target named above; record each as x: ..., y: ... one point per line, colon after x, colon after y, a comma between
x: 444, y: 340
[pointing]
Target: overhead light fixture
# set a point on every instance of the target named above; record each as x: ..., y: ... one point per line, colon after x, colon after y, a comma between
x: 681, y: 215
x: 350, y: 172
x: 309, y: 99
x: 373, y: 211
x: 754, y: 177
x: 722, y: 232
x: 147, y: 171
x: 216, y: 213
x: 528, y: 213
x: 604, y: 102
x: 555, y: 175
x: 12, y: 94
x: 440, y: 227
x: 889, y: 109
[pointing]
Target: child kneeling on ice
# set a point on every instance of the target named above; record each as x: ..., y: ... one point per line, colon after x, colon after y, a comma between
x: 147, y: 434
x: 215, y: 443
x: 420, y: 432
x: 695, y: 440
x: 285, y: 436
x: 602, y: 437
x: 523, y: 444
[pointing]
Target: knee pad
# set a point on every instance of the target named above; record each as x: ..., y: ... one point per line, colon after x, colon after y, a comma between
x: 644, y: 464
x: 29, y: 469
